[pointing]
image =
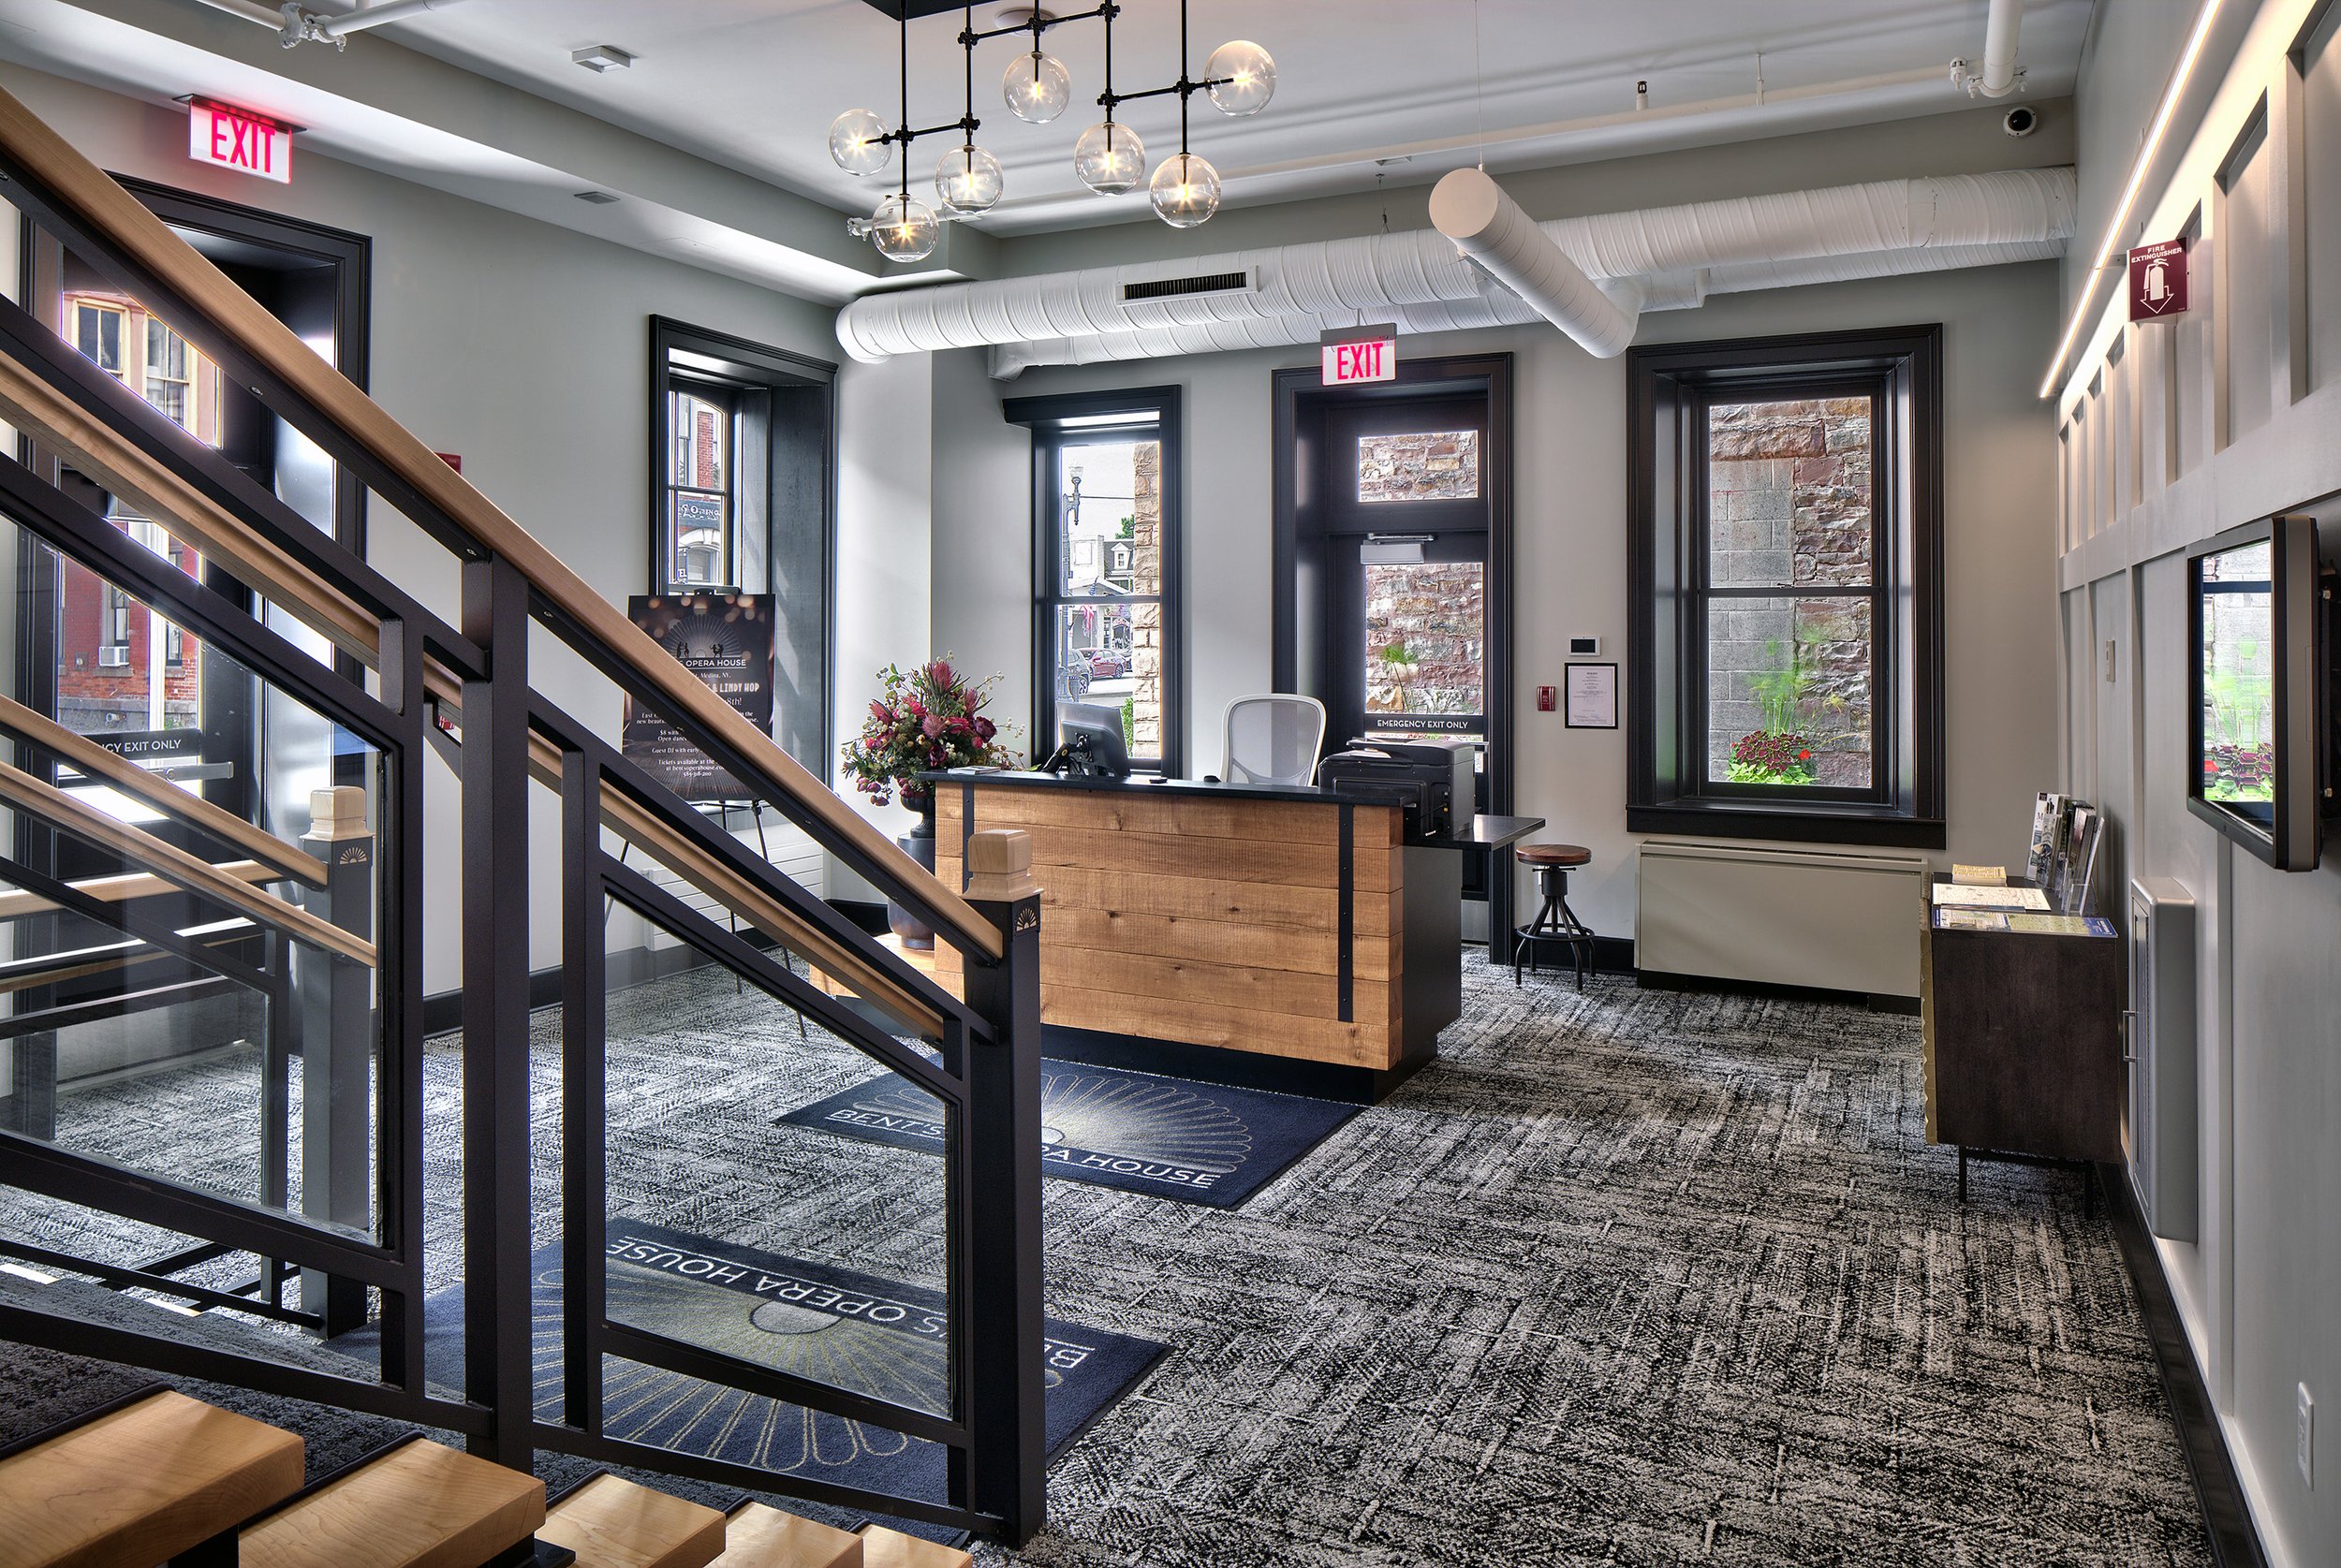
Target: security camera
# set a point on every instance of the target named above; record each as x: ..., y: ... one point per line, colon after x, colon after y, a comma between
x: 2020, y: 122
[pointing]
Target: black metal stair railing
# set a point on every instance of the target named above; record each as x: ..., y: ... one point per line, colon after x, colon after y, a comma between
x: 346, y: 993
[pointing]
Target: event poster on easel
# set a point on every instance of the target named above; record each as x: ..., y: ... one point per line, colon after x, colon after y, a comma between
x: 726, y: 640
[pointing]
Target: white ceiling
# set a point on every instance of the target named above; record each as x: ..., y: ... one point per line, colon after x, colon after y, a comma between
x: 752, y: 85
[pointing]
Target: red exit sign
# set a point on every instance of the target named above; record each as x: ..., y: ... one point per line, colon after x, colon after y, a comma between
x: 238, y: 140
x: 1355, y: 355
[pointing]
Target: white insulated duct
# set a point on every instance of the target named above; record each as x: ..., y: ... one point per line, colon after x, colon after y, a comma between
x: 1487, y: 226
x: 1419, y: 280
x: 1999, y: 49
x: 1684, y: 290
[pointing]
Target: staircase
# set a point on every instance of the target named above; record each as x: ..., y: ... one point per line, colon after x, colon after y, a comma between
x: 323, y: 931
x: 162, y: 1478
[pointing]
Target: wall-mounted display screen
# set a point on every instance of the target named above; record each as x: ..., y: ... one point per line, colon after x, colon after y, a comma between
x: 2257, y: 688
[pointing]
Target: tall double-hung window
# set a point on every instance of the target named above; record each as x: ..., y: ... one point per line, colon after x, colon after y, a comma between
x: 1106, y: 536
x: 1787, y: 675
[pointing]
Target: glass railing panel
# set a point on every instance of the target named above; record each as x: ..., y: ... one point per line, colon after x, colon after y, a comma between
x: 776, y: 1197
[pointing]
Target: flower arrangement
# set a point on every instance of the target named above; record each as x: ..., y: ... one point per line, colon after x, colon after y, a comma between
x: 927, y: 719
x: 1768, y: 756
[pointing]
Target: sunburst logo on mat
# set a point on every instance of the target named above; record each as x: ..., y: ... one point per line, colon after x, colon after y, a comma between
x: 1128, y: 1118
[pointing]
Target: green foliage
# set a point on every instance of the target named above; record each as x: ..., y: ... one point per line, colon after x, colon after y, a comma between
x: 1781, y: 691
x: 1396, y: 653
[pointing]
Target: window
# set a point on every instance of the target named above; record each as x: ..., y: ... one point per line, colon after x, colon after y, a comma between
x: 115, y: 647
x: 700, y: 515
x: 1106, y: 564
x: 1785, y: 678
x: 142, y: 351
x: 743, y: 499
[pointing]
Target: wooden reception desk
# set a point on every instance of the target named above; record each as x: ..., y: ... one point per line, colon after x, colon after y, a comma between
x: 1284, y: 937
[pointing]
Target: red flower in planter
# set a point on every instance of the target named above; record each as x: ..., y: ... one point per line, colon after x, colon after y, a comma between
x: 1804, y: 756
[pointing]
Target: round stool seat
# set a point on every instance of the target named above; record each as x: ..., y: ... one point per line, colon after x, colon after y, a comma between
x: 1554, y: 855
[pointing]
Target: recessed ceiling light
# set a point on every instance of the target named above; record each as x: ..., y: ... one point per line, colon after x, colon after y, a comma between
x: 599, y: 198
x: 599, y: 58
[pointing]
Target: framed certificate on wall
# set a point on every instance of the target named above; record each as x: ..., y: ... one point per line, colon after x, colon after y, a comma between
x: 1589, y: 697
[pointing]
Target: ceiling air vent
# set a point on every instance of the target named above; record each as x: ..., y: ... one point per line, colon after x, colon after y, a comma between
x: 1187, y: 289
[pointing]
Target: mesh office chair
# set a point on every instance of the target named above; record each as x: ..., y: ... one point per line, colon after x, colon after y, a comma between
x: 1272, y: 739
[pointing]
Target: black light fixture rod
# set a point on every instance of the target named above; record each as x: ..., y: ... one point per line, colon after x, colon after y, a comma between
x: 1039, y: 25
x: 967, y: 121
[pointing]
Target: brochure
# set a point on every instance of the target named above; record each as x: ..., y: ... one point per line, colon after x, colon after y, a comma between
x: 1989, y: 898
x: 1972, y: 920
x: 2060, y: 925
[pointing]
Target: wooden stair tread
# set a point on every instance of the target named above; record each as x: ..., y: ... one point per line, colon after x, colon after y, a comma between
x: 613, y: 1523
x: 142, y: 1483
x: 420, y: 1505
x: 757, y: 1536
x: 882, y: 1547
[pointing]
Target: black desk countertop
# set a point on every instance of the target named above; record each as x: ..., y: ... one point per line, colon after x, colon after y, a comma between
x: 1487, y: 832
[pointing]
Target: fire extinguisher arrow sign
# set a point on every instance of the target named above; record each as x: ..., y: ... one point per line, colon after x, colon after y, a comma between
x: 2158, y: 279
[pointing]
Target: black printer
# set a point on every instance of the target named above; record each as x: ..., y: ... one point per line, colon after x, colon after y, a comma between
x: 1430, y: 781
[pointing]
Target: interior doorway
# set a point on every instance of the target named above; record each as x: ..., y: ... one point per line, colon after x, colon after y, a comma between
x: 1393, y: 551
x: 96, y: 659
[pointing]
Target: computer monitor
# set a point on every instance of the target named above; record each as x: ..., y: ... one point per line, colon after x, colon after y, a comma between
x: 1092, y: 744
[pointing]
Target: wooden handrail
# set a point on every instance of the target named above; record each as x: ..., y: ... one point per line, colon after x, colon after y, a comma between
x: 97, y: 762
x: 23, y: 974
x: 173, y: 864
x: 123, y: 886
x: 111, y: 211
x: 180, y: 510
x: 667, y: 845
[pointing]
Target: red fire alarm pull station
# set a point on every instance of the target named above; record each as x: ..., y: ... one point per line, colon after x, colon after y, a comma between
x: 1545, y: 699
x: 2158, y: 279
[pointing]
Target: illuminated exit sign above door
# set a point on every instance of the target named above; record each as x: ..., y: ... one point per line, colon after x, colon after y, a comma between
x: 238, y: 140
x: 1354, y: 355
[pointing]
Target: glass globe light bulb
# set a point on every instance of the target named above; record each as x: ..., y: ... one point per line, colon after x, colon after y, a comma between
x: 1243, y: 78
x: 1185, y: 191
x: 967, y: 179
x: 903, y: 228
x: 1037, y: 87
x: 857, y: 140
x: 1110, y: 158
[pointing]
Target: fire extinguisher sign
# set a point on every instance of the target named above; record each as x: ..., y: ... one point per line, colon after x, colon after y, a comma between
x: 2158, y: 279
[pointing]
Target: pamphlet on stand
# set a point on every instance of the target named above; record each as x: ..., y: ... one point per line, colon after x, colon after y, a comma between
x: 1989, y: 898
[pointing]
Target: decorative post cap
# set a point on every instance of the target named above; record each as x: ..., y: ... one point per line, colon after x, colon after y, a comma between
x: 999, y: 865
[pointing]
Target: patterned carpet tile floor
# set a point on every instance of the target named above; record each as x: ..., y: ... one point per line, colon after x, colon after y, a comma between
x: 1627, y: 1277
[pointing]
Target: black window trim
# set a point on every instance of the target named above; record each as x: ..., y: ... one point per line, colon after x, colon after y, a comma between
x: 1060, y: 420
x: 1668, y: 388
x: 720, y: 358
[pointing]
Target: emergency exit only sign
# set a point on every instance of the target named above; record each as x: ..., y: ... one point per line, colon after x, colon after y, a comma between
x: 239, y: 140
x: 1353, y: 355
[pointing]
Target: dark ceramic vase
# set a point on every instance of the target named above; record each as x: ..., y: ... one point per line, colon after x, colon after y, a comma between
x: 918, y: 843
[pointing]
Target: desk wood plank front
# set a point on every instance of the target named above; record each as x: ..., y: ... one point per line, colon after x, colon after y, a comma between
x: 1209, y: 921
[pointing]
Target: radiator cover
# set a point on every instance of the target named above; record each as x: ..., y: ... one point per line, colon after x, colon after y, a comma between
x: 1836, y: 921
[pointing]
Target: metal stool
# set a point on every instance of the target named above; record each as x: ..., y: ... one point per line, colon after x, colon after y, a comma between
x: 1556, y: 922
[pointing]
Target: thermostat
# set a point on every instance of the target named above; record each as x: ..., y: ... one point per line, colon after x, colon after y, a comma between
x: 1583, y: 647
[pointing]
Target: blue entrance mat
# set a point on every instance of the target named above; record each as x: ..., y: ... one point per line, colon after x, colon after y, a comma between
x: 1167, y: 1137
x: 851, y: 1330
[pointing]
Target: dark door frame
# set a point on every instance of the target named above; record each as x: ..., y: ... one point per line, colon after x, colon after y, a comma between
x: 1299, y: 561
x: 41, y: 284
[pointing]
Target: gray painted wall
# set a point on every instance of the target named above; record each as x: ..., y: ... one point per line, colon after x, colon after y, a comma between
x: 1571, y: 484
x: 2201, y: 425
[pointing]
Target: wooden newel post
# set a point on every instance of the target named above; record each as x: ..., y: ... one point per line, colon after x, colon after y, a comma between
x: 337, y: 1047
x: 1009, y: 1373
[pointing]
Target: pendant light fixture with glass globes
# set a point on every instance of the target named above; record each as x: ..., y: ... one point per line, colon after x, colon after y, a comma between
x: 1239, y: 77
